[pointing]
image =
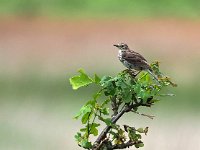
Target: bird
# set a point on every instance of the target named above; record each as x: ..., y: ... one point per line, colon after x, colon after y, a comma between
x: 133, y: 60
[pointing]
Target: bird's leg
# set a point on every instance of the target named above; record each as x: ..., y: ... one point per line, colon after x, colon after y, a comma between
x: 132, y: 73
x: 126, y: 71
x: 153, y: 75
x: 137, y: 73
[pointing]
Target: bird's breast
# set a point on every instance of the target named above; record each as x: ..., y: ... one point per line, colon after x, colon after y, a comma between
x: 120, y: 55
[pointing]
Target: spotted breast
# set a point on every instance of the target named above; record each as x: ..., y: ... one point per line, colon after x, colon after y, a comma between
x: 121, y: 55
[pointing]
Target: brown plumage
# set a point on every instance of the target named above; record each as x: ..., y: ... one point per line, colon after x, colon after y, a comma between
x: 132, y: 59
x: 138, y: 61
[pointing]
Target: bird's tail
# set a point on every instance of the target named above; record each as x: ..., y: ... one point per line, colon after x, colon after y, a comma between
x: 153, y: 75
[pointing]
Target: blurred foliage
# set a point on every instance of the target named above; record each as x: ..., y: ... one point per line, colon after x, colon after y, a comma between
x: 102, y: 8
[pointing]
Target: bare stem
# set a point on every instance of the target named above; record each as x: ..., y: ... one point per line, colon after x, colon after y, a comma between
x: 149, y: 116
x: 114, y: 105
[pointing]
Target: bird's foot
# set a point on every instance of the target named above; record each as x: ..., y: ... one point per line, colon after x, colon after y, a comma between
x: 132, y: 73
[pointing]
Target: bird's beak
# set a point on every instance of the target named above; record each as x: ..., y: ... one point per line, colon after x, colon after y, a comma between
x: 116, y: 45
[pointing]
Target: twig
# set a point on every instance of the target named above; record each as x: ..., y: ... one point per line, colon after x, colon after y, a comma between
x: 125, y: 145
x: 100, y: 145
x: 88, y: 125
x: 123, y: 107
x: 149, y: 116
x: 114, y: 105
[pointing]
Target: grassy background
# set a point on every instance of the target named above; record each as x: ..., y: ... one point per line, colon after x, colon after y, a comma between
x: 102, y: 8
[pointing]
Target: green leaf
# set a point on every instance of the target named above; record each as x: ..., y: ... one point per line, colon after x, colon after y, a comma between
x: 86, y: 144
x: 126, y: 95
x: 82, y: 141
x: 148, y: 79
x: 97, y: 79
x: 91, y: 103
x: 105, y: 102
x: 109, y: 89
x: 109, y: 85
x: 113, y: 133
x: 140, y: 130
x: 78, y: 137
x: 85, y: 109
x: 144, y: 78
x: 153, y: 101
x: 93, y: 129
x: 120, y: 83
x: 108, y: 121
x: 86, y: 117
x: 105, y: 111
x: 137, y: 88
x: 142, y: 92
x: 104, y: 79
x: 131, y: 133
x: 138, y: 136
x: 81, y: 80
x: 83, y: 129
x: 97, y: 95
x: 139, y: 145
x: 144, y: 95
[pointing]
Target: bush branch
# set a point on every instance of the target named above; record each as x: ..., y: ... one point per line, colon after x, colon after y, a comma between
x: 125, y: 145
x: 114, y: 119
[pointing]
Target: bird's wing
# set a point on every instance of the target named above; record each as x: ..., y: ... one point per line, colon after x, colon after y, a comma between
x: 137, y: 60
x: 134, y: 57
x: 139, y: 56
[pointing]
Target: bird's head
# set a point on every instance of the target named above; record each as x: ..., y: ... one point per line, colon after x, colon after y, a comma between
x: 122, y: 46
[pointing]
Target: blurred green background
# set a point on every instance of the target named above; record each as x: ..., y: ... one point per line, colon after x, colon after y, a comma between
x: 44, y: 42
